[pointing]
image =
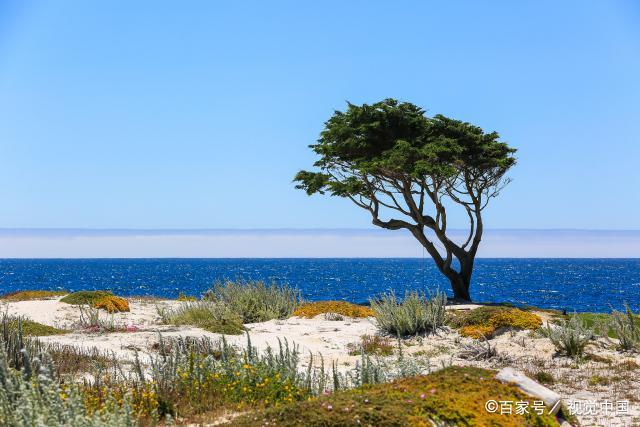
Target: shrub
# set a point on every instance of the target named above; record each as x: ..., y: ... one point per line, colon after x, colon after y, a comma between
x: 342, y: 308
x: 85, y: 297
x: 415, y: 314
x: 626, y: 327
x: 255, y: 301
x: 210, y: 316
x: 544, y: 377
x: 31, y: 328
x: 34, y: 397
x: 31, y: 295
x: 452, y: 396
x: 570, y: 337
x: 477, y: 331
x: 484, y: 321
x: 112, y: 304
x: 372, y: 345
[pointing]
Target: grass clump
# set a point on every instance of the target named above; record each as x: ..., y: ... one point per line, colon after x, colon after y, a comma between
x: 415, y: 314
x: 626, y: 327
x: 210, y: 316
x: 112, y: 304
x: 342, y: 308
x: 373, y: 345
x: 570, y: 337
x: 254, y: 301
x: 483, y: 322
x: 85, y: 297
x: 452, y: 396
x: 31, y: 295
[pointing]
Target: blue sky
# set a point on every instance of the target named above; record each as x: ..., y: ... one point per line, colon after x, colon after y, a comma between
x: 155, y: 114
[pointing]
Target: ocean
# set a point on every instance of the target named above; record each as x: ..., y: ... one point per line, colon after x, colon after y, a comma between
x: 571, y: 284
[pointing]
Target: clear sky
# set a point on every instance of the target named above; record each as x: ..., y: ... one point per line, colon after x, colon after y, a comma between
x: 158, y: 114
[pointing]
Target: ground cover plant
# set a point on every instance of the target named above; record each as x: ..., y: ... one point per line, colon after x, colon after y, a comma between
x: 29, y: 328
x: 373, y: 345
x: 483, y: 322
x: 414, y: 314
x: 342, y: 308
x: 208, y: 315
x: 31, y: 295
x: 452, y: 396
x: 85, y: 297
x: 255, y: 301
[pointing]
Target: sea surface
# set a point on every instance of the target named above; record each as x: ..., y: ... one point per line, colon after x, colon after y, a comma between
x: 571, y: 284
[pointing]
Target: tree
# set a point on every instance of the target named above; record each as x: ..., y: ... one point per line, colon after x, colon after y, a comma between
x: 403, y: 167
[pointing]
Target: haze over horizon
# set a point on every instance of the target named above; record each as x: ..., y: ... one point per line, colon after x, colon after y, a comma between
x: 304, y: 243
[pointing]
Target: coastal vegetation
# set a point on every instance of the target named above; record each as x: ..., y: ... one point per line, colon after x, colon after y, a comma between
x: 414, y: 361
x: 403, y: 168
x: 31, y: 295
x: 85, y: 297
x: 340, y: 308
x: 451, y: 396
x: 483, y: 322
x: 210, y: 316
x: 254, y: 301
x: 415, y: 314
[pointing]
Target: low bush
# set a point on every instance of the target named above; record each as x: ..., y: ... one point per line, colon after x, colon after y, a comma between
x: 415, y: 314
x: 374, y: 345
x: 85, y: 297
x: 254, y: 301
x: 483, y: 322
x: 452, y: 396
x: 342, y: 308
x: 31, y: 295
x: 570, y: 337
x: 32, y: 329
x: 626, y: 327
x: 210, y: 316
x: 35, y: 397
x: 112, y: 304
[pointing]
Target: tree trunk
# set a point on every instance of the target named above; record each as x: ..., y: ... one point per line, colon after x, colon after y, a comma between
x: 460, y: 287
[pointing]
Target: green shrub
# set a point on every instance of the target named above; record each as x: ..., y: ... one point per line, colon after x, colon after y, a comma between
x: 31, y: 295
x: 85, y: 297
x: 31, y: 328
x: 35, y: 397
x: 570, y: 337
x: 627, y: 328
x: 210, y: 316
x: 254, y: 301
x: 415, y: 314
x: 452, y: 396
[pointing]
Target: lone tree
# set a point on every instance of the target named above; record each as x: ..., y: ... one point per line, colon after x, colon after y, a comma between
x: 403, y: 167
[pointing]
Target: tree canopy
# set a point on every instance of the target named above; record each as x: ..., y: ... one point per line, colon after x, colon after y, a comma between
x: 403, y: 167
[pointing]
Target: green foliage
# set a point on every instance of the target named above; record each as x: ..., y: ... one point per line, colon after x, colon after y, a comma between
x: 85, y: 297
x: 29, y: 328
x: 210, y: 316
x: 452, y: 396
x: 31, y: 295
x: 483, y: 322
x: 35, y: 397
x: 570, y: 337
x: 626, y: 327
x: 390, y: 159
x: 254, y: 301
x: 415, y: 314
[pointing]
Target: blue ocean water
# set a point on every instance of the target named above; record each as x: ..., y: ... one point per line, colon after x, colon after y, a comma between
x: 571, y: 284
